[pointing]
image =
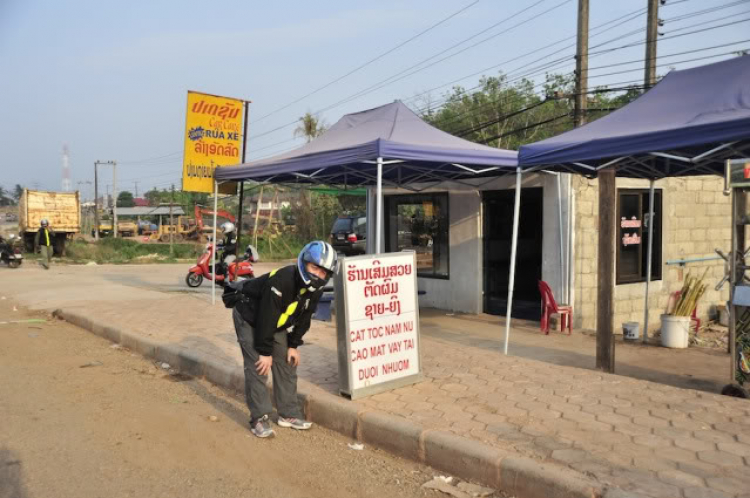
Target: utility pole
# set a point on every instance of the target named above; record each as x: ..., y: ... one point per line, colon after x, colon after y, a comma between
x: 649, y: 80
x: 582, y: 63
x: 136, y: 189
x: 87, y: 219
x: 96, y: 195
x: 605, y: 267
x: 82, y: 182
x: 652, y: 33
x: 605, y: 345
x: 114, y: 195
x: 171, y: 224
x: 96, y: 202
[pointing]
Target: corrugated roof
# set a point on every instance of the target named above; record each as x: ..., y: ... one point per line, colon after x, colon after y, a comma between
x: 149, y: 211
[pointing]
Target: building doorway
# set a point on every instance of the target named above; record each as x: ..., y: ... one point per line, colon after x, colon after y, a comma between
x: 498, y: 232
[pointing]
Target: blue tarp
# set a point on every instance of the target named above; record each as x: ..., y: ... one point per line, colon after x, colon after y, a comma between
x: 686, y: 114
x: 393, y: 132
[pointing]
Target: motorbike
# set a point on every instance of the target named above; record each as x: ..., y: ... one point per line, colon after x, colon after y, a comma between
x: 10, y: 254
x: 235, y: 268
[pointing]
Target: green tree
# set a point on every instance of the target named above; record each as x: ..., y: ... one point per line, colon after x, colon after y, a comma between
x: 5, y: 199
x: 125, y: 199
x: 153, y: 197
x: 17, y: 192
x: 310, y: 127
x: 507, y: 115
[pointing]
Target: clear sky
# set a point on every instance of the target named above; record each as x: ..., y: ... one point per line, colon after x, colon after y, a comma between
x: 109, y: 78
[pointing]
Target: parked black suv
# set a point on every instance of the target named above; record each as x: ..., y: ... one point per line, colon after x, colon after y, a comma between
x: 349, y: 234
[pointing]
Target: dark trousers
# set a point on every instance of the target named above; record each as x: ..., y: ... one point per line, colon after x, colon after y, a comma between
x: 284, y: 375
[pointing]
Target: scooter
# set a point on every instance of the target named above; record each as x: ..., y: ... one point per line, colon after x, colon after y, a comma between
x: 236, y: 268
x: 9, y: 253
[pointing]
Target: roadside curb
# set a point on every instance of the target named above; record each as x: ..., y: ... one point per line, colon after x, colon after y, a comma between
x: 459, y: 456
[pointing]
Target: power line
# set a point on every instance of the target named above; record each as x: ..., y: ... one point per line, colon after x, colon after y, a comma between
x: 481, y: 126
x: 665, y: 64
x: 500, y: 119
x: 138, y: 161
x: 363, y: 92
x: 631, y: 15
x: 705, y: 11
x: 567, y: 59
x: 639, y: 61
x: 519, y: 130
x: 670, y: 37
x: 442, y: 21
x: 400, y: 76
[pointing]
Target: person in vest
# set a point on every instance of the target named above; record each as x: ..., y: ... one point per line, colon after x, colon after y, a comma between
x: 44, y: 243
x: 270, y: 321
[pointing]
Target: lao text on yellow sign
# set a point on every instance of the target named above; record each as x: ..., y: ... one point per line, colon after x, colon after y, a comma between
x: 213, y: 137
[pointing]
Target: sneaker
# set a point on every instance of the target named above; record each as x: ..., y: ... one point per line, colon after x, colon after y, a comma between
x: 262, y: 427
x: 294, y: 423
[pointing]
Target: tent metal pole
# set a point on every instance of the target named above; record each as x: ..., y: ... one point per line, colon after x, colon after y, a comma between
x: 213, y: 263
x: 649, y: 255
x: 379, y: 208
x: 514, y: 244
x: 370, y: 232
x: 562, y: 241
x: 570, y: 242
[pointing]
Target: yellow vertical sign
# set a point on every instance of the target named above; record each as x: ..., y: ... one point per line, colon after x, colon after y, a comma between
x: 213, y: 137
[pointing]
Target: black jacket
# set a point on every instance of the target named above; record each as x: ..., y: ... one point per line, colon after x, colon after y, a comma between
x: 228, y: 246
x: 41, y: 238
x: 277, y: 301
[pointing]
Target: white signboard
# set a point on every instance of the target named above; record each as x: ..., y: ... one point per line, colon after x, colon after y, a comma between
x: 378, y: 323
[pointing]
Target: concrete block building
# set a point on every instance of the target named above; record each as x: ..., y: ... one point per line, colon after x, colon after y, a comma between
x: 462, y: 236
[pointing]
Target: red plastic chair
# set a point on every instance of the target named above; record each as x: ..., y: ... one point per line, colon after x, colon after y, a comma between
x: 550, y: 306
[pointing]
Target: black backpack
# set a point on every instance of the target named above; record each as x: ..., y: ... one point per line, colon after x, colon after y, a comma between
x: 232, y: 294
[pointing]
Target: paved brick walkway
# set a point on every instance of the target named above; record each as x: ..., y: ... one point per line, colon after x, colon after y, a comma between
x: 644, y: 437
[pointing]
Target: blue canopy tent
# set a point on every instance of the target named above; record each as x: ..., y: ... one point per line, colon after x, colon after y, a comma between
x: 690, y: 123
x: 388, y: 145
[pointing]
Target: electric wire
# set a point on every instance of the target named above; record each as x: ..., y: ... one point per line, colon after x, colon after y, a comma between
x: 567, y: 59
x: 375, y: 59
x: 362, y: 92
x: 413, y: 71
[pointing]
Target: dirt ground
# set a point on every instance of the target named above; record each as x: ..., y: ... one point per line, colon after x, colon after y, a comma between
x: 81, y: 417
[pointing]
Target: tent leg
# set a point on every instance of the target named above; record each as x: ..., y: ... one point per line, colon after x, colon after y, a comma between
x: 649, y: 255
x: 562, y: 241
x: 379, y: 208
x: 216, y: 207
x: 239, y: 214
x: 514, y: 244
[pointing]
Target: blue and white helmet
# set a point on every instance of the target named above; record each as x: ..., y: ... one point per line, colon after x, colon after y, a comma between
x: 320, y: 254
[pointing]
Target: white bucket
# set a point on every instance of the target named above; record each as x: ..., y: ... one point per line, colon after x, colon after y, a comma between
x: 724, y: 317
x: 674, y: 331
x: 631, y: 331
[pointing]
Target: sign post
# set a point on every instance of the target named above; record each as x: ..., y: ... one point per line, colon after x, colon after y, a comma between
x: 377, y: 321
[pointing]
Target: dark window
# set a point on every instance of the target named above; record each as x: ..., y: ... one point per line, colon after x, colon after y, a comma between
x: 420, y: 223
x: 342, y: 225
x: 632, y: 236
x: 360, y: 227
